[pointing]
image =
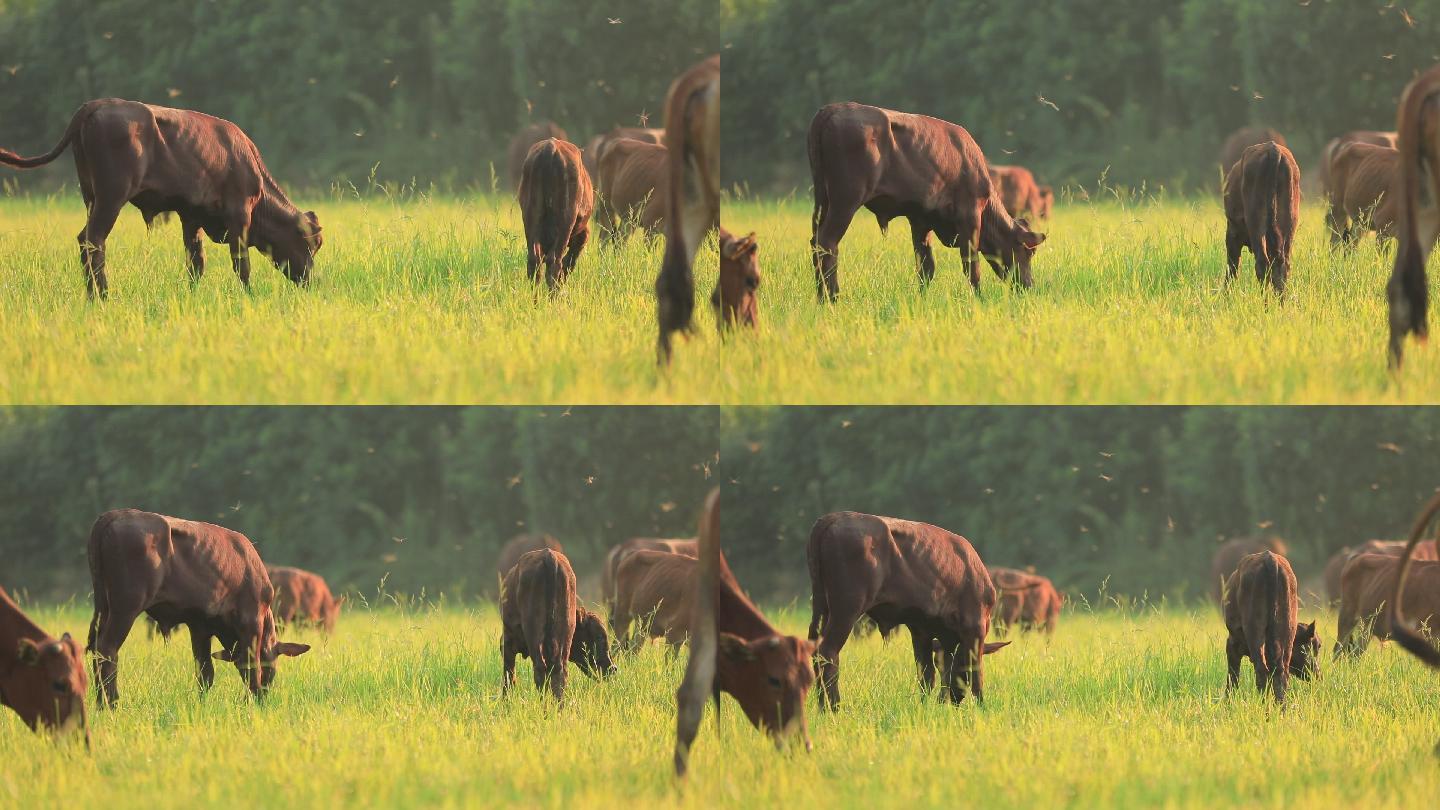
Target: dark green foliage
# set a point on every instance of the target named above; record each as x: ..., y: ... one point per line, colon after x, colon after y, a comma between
x: 423, y: 496
x: 427, y: 89
x: 1137, y: 495
x: 1146, y: 90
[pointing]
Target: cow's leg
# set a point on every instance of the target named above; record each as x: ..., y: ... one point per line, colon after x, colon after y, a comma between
x: 572, y: 252
x: 204, y: 664
x: 103, y: 213
x: 1234, y: 242
x: 827, y: 655
x: 194, y: 247
x: 924, y: 254
x: 557, y: 674
x: 825, y: 248
x: 1279, y: 674
x: 969, y: 243
x: 533, y: 260
x: 1234, y: 651
x: 240, y: 260
x: 508, y: 650
x: 922, y: 643
x: 112, y: 630
x: 1262, y: 667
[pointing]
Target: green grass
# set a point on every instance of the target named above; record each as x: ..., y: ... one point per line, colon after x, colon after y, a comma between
x: 403, y: 708
x: 414, y: 300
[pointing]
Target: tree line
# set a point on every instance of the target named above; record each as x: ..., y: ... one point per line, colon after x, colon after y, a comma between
x: 1133, y: 91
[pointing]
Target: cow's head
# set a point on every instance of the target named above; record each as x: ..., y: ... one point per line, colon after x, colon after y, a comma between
x: 736, y: 296
x: 1047, y: 201
x: 257, y: 651
x: 1305, y: 652
x: 590, y: 647
x: 292, y: 245
x: 770, y: 677
x: 1012, y: 250
x: 48, y: 685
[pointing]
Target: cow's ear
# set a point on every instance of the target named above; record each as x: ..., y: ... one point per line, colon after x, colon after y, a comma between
x: 222, y: 655
x: 29, y: 652
x: 992, y: 647
x: 312, y: 221
x: 291, y: 648
x: 735, y: 648
x: 1032, y: 239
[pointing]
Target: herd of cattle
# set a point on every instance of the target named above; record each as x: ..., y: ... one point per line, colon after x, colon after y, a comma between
x: 890, y: 571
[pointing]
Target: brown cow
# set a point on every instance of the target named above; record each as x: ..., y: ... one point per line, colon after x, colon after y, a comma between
x: 734, y: 649
x: 1418, y: 175
x: 630, y: 187
x: 618, y: 552
x: 542, y: 620
x: 1047, y: 201
x: 42, y: 678
x: 657, y: 589
x: 1332, y: 148
x: 1242, y: 139
x: 206, y: 577
x: 736, y: 296
x: 900, y: 165
x: 596, y: 149
x: 520, y: 145
x: 692, y: 135
x: 520, y: 545
x: 1360, y: 176
x: 556, y: 200
x: 303, y: 597
x: 1333, y: 568
x: 1261, y: 605
x: 205, y: 169
x: 1019, y: 191
x: 1262, y: 208
x: 1027, y: 600
x: 900, y: 572
x: 1229, y: 554
x: 1367, y: 584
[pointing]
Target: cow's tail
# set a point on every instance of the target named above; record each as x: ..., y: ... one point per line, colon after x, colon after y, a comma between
x: 557, y: 213
x: 100, y: 598
x: 1406, y: 636
x: 700, y: 683
x: 819, y: 602
x: 1282, y: 214
x: 550, y: 646
x: 817, y: 170
x: 14, y: 161
x: 1260, y: 219
x: 1407, y: 292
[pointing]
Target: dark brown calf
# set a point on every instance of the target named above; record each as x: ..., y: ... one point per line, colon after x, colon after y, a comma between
x: 692, y: 135
x: 303, y: 597
x: 520, y: 145
x: 618, y: 552
x: 1262, y: 208
x: 1360, y: 198
x: 555, y: 202
x: 1261, y: 605
x: 901, y: 165
x: 734, y: 649
x: 203, y: 168
x: 899, y: 572
x: 42, y: 678
x: 630, y: 187
x: 1228, y: 556
x: 736, y: 296
x: 206, y: 577
x: 1418, y: 179
x: 542, y: 620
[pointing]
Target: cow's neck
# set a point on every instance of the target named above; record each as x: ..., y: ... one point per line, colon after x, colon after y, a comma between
x: 14, y: 626
x: 999, y: 225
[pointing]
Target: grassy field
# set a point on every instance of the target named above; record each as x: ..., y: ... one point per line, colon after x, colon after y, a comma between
x: 414, y: 300
x: 402, y: 707
x: 422, y: 300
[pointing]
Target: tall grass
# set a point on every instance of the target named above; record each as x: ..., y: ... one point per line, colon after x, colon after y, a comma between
x: 402, y: 707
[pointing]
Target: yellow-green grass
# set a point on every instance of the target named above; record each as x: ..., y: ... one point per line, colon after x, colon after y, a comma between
x: 402, y: 708
x: 414, y: 300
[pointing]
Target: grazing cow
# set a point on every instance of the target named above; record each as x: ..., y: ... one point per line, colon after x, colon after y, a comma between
x: 901, y: 165
x: 1027, y: 600
x: 1333, y: 146
x: 657, y: 589
x: 555, y: 202
x: 1424, y: 551
x: 1242, y: 139
x: 630, y: 187
x: 206, y: 577
x: 618, y: 552
x: 520, y: 147
x: 1418, y: 175
x: 203, y: 168
x: 734, y: 649
x: 542, y: 620
x: 1262, y: 208
x: 599, y: 145
x: 520, y: 545
x: 42, y: 678
x: 303, y: 597
x: 1367, y: 584
x: 1359, y: 192
x: 1427, y: 588
x: 900, y: 572
x: 1229, y: 555
x: 692, y: 199
x: 1020, y: 193
x: 1261, y: 605
x: 1047, y: 201
x: 736, y: 296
